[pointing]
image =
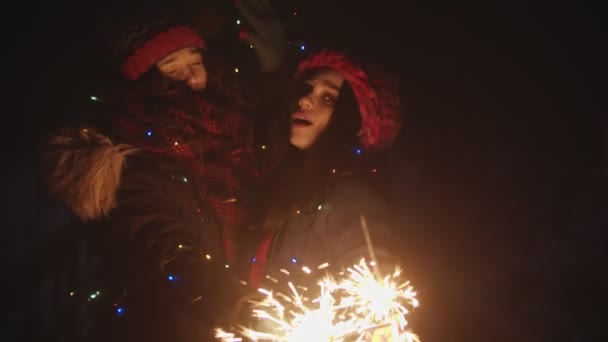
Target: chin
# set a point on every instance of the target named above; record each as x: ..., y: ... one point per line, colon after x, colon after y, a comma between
x: 198, y: 87
x: 300, y: 144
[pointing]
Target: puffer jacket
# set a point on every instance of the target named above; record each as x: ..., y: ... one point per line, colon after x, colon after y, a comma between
x: 351, y: 221
x: 162, y: 275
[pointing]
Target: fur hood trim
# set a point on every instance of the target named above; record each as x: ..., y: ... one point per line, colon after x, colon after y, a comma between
x: 83, y: 169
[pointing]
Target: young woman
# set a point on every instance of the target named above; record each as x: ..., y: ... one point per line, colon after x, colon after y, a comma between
x: 319, y: 175
x: 170, y: 104
x: 158, y: 188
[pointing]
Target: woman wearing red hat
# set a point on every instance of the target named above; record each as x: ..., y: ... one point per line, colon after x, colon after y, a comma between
x: 159, y: 190
x: 171, y: 105
x: 319, y: 174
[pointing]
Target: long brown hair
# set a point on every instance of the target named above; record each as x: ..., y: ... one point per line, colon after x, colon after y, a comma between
x: 296, y: 179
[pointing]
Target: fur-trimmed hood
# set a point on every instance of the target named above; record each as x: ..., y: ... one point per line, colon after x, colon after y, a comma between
x: 83, y: 168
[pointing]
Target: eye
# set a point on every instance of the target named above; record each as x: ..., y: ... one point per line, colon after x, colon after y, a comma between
x: 171, y: 74
x: 194, y: 57
x: 330, y: 99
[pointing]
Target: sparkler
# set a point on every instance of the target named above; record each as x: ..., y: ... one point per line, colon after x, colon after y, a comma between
x: 358, y: 304
x: 355, y: 306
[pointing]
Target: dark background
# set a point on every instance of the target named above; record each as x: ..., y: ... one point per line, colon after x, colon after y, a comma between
x: 497, y: 174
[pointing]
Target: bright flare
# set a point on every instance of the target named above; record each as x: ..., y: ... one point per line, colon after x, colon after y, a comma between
x: 359, y: 305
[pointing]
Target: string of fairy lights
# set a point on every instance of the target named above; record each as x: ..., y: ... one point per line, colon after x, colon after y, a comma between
x: 300, y: 46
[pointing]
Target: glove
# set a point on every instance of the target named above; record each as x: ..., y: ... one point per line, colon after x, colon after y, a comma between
x: 267, y: 35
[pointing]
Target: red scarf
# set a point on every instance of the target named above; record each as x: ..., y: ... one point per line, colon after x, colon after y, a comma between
x: 258, y: 267
x: 214, y: 145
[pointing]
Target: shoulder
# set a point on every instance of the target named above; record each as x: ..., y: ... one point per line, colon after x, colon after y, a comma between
x: 145, y: 166
x: 147, y: 174
x: 83, y: 168
x: 87, y: 171
x: 353, y: 189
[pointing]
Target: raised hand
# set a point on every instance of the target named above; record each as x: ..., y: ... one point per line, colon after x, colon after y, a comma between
x: 267, y: 35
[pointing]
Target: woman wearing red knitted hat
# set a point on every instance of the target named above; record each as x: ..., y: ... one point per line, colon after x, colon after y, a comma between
x: 157, y: 191
x: 174, y: 105
x: 320, y: 178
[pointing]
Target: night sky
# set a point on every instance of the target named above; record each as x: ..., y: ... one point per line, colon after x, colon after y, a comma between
x: 497, y: 172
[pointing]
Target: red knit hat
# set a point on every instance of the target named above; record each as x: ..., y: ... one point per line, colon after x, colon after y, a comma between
x: 158, y: 47
x: 139, y: 35
x: 377, y: 98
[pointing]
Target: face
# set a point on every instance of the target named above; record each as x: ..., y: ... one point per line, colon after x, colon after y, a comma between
x: 185, y: 65
x: 315, y: 108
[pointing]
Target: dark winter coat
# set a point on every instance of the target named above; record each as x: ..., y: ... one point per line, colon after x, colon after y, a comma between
x: 161, y: 265
x: 331, y: 231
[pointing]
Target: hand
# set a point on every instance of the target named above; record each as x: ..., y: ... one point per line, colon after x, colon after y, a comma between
x: 266, y: 36
x: 242, y: 307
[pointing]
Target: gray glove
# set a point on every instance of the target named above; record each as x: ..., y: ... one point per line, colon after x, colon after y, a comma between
x: 267, y: 36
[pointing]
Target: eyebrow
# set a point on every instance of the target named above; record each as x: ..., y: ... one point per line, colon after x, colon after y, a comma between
x: 330, y: 85
x: 167, y: 61
x: 170, y: 60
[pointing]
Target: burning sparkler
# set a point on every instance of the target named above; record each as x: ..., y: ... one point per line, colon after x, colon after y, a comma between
x: 359, y: 304
x: 355, y: 306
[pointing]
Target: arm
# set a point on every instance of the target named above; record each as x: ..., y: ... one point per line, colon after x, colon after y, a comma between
x: 143, y: 219
x: 151, y: 233
x: 277, y: 61
x: 266, y: 36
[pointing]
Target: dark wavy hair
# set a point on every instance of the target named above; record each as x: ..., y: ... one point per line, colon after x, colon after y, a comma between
x: 295, y: 179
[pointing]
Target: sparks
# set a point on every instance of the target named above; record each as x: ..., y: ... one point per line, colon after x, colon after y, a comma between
x: 358, y: 305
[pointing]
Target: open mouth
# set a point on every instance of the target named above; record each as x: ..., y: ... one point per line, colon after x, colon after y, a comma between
x: 300, y: 122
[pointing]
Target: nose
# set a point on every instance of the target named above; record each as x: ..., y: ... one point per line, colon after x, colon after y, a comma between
x: 194, y: 79
x: 194, y: 82
x: 305, y: 102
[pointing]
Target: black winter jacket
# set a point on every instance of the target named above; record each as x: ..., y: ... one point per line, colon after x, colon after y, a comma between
x: 162, y: 276
x: 331, y: 231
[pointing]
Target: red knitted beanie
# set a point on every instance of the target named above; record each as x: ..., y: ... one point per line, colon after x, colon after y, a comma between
x: 157, y: 48
x: 139, y: 37
x: 376, y: 95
